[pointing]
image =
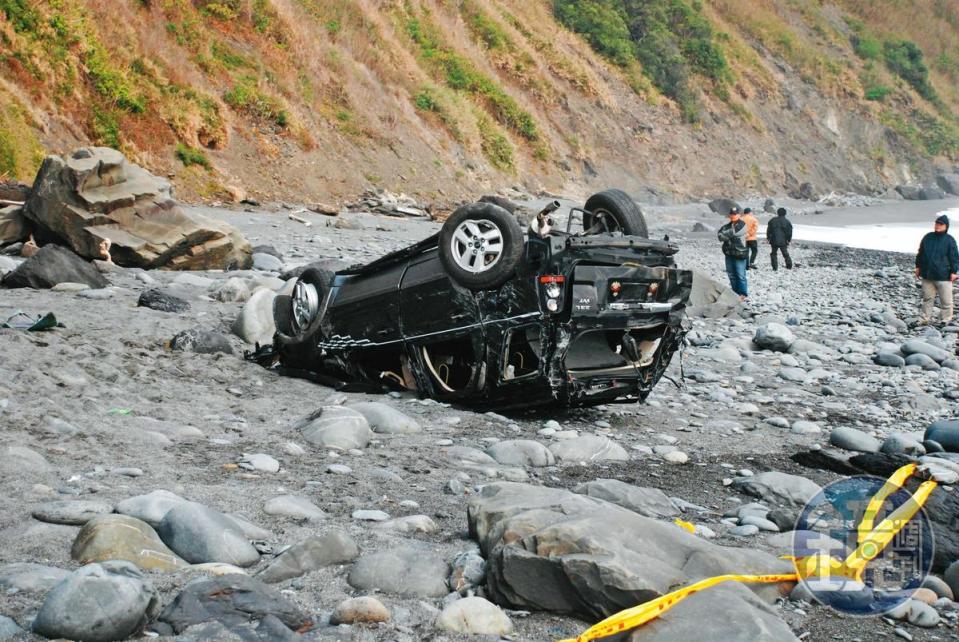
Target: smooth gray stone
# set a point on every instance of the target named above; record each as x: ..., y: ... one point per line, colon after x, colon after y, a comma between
x: 852, y: 439
x: 521, y: 452
x: 98, y: 602
x: 590, y: 448
x: 774, y: 336
x: 150, y: 508
x: 915, y: 346
x: 294, y: 507
x: 650, y: 502
x: 335, y: 427
x: 945, y: 433
x: 385, y: 419
x: 900, y: 444
x: 778, y: 487
x: 889, y: 359
x: 200, y: 534
x: 235, y: 601
x: 407, y: 571
x: 331, y: 548
x: 74, y: 513
x: 30, y: 578
x: 9, y: 628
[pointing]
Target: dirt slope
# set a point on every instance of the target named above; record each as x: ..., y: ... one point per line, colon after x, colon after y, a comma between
x: 321, y: 99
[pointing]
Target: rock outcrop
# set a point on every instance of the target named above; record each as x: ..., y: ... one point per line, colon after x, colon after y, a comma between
x: 95, y: 197
x: 550, y: 549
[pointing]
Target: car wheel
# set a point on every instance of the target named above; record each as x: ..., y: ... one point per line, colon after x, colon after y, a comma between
x: 306, y: 302
x: 613, y: 211
x: 481, y: 246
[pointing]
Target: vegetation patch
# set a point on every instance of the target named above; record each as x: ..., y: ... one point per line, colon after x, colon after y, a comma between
x: 670, y: 38
x: 460, y: 74
x: 494, y: 143
x: 903, y: 58
x: 245, y: 97
x: 191, y: 156
x: 20, y: 151
x: 505, y: 54
x: 110, y: 82
x: 106, y: 128
x: 931, y: 134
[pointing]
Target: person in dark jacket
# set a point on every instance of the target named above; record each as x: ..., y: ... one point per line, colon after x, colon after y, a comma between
x: 937, y: 263
x: 779, y: 233
x: 733, y: 237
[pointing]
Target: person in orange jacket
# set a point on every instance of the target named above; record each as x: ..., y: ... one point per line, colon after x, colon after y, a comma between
x: 752, y: 236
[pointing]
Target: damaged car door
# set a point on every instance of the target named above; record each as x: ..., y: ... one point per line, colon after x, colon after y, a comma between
x: 441, y: 325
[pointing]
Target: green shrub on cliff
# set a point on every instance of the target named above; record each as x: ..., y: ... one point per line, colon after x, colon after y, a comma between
x: 670, y: 38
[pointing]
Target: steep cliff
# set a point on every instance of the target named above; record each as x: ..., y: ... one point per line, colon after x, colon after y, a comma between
x: 321, y: 99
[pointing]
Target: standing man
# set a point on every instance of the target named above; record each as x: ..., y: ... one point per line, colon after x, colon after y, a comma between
x: 733, y: 237
x: 779, y: 233
x: 936, y: 264
x: 752, y: 236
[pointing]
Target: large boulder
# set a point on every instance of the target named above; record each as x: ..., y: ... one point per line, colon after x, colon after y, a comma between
x: 910, y: 192
x: 13, y: 225
x: 95, y: 194
x: 650, y: 502
x: 944, y: 432
x: 916, y: 346
x: 723, y: 206
x: 949, y: 183
x: 51, y: 265
x: 710, y: 298
x: 550, y: 549
x: 725, y: 612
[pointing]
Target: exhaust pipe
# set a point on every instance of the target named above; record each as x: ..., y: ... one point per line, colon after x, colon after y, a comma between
x: 542, y: 224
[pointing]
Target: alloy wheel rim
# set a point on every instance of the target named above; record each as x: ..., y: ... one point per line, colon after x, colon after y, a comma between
x: 306, y: 304
x: 476, y: 245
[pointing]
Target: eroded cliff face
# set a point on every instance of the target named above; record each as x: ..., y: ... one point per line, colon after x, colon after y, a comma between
x: 321, y: 99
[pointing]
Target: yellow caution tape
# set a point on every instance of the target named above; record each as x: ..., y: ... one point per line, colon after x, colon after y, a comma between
x: 686, y: 526
x: 893, y: 484
x: 872, y: 541
x: 639, y: 615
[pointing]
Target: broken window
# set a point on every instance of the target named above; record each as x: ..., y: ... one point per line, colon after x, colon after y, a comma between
x: 390, y: 366
x: 452, y: 364
x: 522, y: 352
x: 606, y: 350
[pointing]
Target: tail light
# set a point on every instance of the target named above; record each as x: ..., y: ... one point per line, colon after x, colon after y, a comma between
x: 552, y: 288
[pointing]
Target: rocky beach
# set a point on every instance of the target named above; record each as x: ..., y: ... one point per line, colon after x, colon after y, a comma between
x: 155, y: 484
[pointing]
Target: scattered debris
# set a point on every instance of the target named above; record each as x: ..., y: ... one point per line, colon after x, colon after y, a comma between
x: 383, y: 202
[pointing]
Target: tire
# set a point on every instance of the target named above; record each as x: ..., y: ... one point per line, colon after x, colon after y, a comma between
x: 303, y: 315
x: 492, y: 264
x: 613, y: 210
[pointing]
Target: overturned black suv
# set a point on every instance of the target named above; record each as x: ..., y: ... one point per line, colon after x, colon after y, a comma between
x: 485, y: 314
